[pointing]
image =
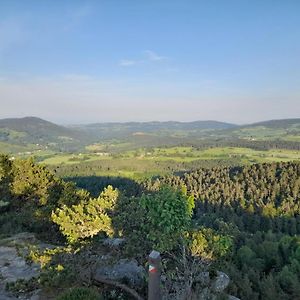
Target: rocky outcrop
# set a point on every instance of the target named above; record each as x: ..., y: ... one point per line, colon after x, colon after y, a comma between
x: 13, y: 266
x: 123, y: 271
x: 114, y: 242
x: 220, y: 283
x: 205, y: 287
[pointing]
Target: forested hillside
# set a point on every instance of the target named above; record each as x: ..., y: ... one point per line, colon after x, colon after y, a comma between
x: 227, y: 199
x: 259, y: 206
x: 242, y: 220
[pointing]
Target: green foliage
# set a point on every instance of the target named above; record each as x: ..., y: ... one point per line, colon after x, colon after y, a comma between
x: 5, y: 179
x: 168, y: 215
x: 261, y: 196
x: 57, y: 277
x: 22, y: 286
x: 44, y: 257
x: 31, y: 183
x: 28, y: 194
x: 87, y: 218
x: 155, y: 220
x: 258, y: 206
x: 251, y: 211
x: 127, y: 218
x: 80, y: 294
x: 207, y: 244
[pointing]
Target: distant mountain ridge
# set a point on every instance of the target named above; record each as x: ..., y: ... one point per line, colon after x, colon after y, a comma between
x: 167, y: 125
x: 279, y: 123
x: 170, y: 128
x: 28, y: 124
x: 30, y: 131
x: 38, y: 129
x: 34, y: 126
x: 33, y: 130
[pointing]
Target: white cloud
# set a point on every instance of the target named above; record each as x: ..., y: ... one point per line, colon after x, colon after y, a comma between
x: 148, y: 56
x: 152, y: 56
x: 127, y: 62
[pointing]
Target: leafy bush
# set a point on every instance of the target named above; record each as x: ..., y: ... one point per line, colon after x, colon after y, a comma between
x: 207, y: 244
x: 29, y: 193
x: 80, y: 294
x: 57, y: 277
x: 153, y: 221
x: 168, y: 215
x: 22, y: 286
x: 87, y: 218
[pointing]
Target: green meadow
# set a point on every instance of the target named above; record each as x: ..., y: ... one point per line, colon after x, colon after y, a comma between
x: 141, y: 163
x: 180, y: 154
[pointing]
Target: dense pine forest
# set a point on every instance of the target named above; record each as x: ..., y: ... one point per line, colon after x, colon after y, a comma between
x: 259, y: 206
x: 241, y: 220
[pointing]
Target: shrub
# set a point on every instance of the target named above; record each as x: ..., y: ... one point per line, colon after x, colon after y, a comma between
x: 80, y: 294
x: 156, y: 220
x: 88, y: 218
x: 168, y: 215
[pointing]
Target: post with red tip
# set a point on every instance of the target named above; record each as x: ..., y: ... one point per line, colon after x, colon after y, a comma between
x: 154, y: 290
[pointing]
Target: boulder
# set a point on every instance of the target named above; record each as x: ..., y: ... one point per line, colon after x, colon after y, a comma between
x: 221, y: 282
x: 127, y: 271
x: 113, y: 242
x: 12, y: 268
x: 19, y: 239
x: 203, y: 278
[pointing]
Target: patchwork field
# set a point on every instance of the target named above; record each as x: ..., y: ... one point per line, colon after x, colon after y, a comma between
x: 143, y: 163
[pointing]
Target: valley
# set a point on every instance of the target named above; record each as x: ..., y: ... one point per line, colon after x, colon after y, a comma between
x: 228, y: 196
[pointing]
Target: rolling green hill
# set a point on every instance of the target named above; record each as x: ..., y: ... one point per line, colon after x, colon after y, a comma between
x: 284, y: 129
x: 35, y: 133
x: 34, y: 129
x: 282, y: 123
x: 31, y: 135
x: 171, y: 128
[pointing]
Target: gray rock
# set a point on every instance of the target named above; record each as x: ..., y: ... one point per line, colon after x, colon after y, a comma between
x: 203, y: 278
x: 233, y: 298
x: 19, y: 239
x: 13, y: 266
x: 221, y: 282
x: 113, y: 242
x: 124, y: 270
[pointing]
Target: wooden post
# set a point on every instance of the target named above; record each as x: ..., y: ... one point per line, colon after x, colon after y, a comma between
x: 154, y: 290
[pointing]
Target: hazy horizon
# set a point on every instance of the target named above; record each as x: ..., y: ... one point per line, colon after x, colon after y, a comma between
x: 143, y: 121
x: 76, y: 62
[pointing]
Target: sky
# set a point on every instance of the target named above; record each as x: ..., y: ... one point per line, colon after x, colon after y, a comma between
x: 74, y: 62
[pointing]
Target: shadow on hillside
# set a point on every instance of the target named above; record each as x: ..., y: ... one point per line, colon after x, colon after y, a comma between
x: 96, y: 184
x: 209, y: 214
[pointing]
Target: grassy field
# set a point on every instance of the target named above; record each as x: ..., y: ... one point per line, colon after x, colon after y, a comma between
x: 19, y: 150
x: 180, y: 154
x: 263, y: 133
x: 143, y: 163
x: 58, y: 159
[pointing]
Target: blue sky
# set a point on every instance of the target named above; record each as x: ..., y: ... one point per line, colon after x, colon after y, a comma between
x: 93, y: 61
